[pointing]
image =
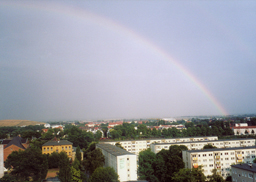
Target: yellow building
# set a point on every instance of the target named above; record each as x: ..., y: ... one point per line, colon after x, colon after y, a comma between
x: 58, y: 146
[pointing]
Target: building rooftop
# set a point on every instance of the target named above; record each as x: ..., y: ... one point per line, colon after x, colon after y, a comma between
x: 17, y: 141
x: 60, y: 142
x: 247, y: 167
x: 221, y: 149
x: 160, y: 139
x: 114, y: 150
x: 238, y: 139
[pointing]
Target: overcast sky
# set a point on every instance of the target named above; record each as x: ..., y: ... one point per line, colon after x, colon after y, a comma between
x: 78, y: 60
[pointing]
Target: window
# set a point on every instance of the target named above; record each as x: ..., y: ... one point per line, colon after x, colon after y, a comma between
x: 226, y: 153
x: 232, y: 158
x: 51, y: 148
x: 127, y: 158
x: 205, y: 160
x: 226, y: 159
x: 204, y: 155
x: 247, y: 152
x: 211, y: 165
x: 250, y: 175
x: 253, y: 152
x: 44, y: 148
x: 210, y: 154
x: 66, y: 148
x: 232, y: 153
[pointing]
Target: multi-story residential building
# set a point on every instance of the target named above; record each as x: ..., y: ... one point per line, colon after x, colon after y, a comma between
x: 135, y: 146
x: 243, y: 172
x: 218, y: 158
x: 123, y: 162
x: 244, y: 129
x: 1, y: 161
x: 199, y: 145
x: 58, y: 146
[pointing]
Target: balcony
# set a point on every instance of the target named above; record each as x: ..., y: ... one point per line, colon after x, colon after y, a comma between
x: 238, y: 161
x: 195, y: 165
x: 195, y: 158
x: 217, y: 157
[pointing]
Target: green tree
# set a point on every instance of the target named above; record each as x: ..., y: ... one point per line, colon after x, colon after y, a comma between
x: 93, y: 160
x: 146, y: 160
x: 53, y: 160
x: 30, y: 163
x: 165, y: 132
x: 188, y: 175
x: 104, y: 174
x: 209, y: 146
x: 172, y: 163
x: 75, y: 174
x: 64, y: 168
x: 177, y: 150
x: 215, y: 177
x: 98, y: 135
x: 8, y: 178
x: 78, y: 154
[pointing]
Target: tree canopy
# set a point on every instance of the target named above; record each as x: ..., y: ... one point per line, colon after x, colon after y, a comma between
x: 28, y: 163
x: 104, y: 174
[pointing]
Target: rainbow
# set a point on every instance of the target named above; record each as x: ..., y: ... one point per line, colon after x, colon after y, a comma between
x: 76, y: 12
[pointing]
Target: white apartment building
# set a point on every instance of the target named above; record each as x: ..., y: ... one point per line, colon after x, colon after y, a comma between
x: 135, y: 146
x: 244, y: 129
x: 1, y: 161
x: 243, y: 172
x: 123, y: 162
x: 199, y: 145
x: 220, y: 159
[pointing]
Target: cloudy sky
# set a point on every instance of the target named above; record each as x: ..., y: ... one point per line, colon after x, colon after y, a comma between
x: 68, y: 60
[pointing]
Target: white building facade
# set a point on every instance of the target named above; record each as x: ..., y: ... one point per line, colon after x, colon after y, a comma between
x: 199, y: 145
x: 220, y: 159
x: 135, y: 146
x: 123, y: 162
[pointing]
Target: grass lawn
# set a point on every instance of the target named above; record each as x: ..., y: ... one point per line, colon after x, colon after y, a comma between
x: 52, y: 172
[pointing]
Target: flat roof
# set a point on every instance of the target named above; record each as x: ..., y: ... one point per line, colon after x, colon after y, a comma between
x: 60, y: 142
x: 221, y: 149
x: 246, y: 167
x: 114, y: 150
x: 157, y: 139
x: 205, y: 141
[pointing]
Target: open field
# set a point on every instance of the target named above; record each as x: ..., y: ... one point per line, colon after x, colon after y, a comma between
x: 52, y: 172
x: 12, y: 122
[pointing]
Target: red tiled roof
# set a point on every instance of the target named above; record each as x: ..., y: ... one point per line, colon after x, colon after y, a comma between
x: 242, y: 127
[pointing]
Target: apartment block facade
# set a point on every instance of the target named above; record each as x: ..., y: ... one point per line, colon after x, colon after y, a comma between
x: 123, y: 162
x: 243, y: 172
x: 199, y: 145
x: 219, y: 158
x: 135, y: 146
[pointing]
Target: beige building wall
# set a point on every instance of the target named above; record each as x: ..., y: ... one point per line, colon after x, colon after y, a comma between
x: 220, y: 159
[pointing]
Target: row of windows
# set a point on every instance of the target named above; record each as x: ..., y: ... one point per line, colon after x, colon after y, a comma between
x: 51, y: 148
x: 226, y: 153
